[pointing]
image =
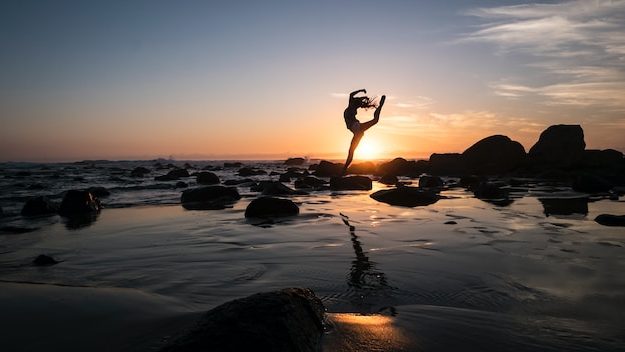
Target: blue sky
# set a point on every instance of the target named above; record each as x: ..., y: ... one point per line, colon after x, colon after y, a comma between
x: 201, y: 79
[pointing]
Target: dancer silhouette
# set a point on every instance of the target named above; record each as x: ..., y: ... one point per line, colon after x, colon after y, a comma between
x: 352, y: 123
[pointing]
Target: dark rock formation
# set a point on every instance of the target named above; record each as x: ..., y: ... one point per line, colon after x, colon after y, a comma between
x: 287, y: 176
x: 490, y: 190
x: 286, y: 320
x: 427, y: 181
x: 564, y: 206
x: 494, y: 155
x: 78, y: 203
x: 249, y: 171
x: 44, y: 260
x: 364, y: 168
x: 610, y: 220
x: 447, y: 164
x: 607, y: 159
x: 206, y: 178
x: 173, y: 175
x: 275, y: 188
x: 471, y: 181
x: 328, y: 169
x: 309, y: 182
x: 139, y: 171
x: 403, y: 167
x: 350, y: 183
x: 558, y: 145
x: 209, y: 197
x: 388, y: 179
x: 406, y: 196
x: 181, y: 184
x: 591, y: 184
x: 238, y: 182
x: 99, y: 192
x: 294, y: 161
x: 268, y: 207
x: 39, y: 205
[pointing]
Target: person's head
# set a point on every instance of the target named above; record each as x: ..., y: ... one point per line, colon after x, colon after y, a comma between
x: 363, y: 102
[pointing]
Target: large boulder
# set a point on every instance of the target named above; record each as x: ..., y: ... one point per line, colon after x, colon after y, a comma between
x: 207, y: 178
x: 494, y: 155
x: 77, y: 203
x: 610, y: 220
x: 364, y: 168
x: 294, y: 161
x: 350, y: 183
x: 286, y: 320
x: 448, y: 164
x: 328, y: 169
x: 406, y: 196
x: 558, y: 145
x: 209, y: 197
x: 39, y: 205
x: 269, y: 207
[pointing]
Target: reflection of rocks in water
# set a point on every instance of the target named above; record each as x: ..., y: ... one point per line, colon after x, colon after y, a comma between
x: 370, y: 285
x: 564, y: 206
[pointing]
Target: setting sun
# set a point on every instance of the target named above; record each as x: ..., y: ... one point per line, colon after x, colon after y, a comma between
x: 368, y: 149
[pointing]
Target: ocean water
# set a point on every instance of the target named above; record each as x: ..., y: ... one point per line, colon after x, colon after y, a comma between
x: 515, y: 274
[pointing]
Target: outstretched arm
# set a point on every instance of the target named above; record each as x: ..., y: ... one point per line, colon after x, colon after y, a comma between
x: 351, y: 95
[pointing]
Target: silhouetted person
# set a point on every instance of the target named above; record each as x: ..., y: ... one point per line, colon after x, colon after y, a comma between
x: 352, y: 123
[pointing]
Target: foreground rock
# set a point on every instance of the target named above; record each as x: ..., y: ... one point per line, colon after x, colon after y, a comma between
x: 286, y: 320
x: 209, y: 197
x: 206, y: 178
x: 611, y: 220
x: 559, y: 145
x: 494, y: 155
x: 350, y: 183
x: 268, y: 207
x: 77, y: 203
x: 406, y: 196
x: 38, y: 206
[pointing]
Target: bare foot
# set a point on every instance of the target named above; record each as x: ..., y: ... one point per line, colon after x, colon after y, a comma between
x: 382, y: 101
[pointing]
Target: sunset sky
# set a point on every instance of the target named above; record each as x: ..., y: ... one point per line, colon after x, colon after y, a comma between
x: 269, y: 79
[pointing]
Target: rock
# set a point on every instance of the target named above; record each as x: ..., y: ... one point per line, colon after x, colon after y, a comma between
x: 471, y: 181
x: 77, y: 203
x: 267, y: 207
x: 39, y: 205
x: 388, y: 179
x: 489, y: 190
x: 403, y: 167
x: 607, y: 159
x: 233, y: 165
x: 448, y: 164
x: 44, y: 260
x: 285, y: 320
x: 173, y: 175
x: 181, y: 184
x: 209, y: 197
x: 427, y: 181
x: 494, y: 155
x: 139, y: 171
x: 287, y: 176
x: 364, y: 168
x: 350, y: 183
x: 1, y: 212
x: 309, y: 182
x: 275, y: 188
x: 558, y: 145
x: 295, y: 161
x: 450, y: 222
x: 406, y: 196
x: 610, y: 220
x: 206, y: 178
x: 99, y: 192
x: 249, y: 171
x: 238, y: 182
x: 328, y: 169
x: 564, y: 206
x: 591, y: 184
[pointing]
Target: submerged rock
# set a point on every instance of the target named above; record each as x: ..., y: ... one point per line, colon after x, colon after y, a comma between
x: 406, y: 196
x: 294, y: 161
x: 564, y: 206
x: 328, y: 169
x: 285, y: 320
x: 44, y: 260
x: 494, y: 155
x: 209, y: 197
x: 39, y: 205
x: 139, y: 171
x: 77, y: 203
x: 350, y: 183
x: 490, y: 190
x: 558, y: 145
x: 610, y: 220
x: 238, y: 182
x: 206, y: 178
x: 181, y: 184
x: 267, y: 207
x: 249, y: 171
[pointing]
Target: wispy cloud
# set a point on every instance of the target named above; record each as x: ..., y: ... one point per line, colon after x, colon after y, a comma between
x: 578, y: 46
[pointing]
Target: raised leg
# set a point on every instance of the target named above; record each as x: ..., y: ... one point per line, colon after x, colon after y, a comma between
x: 352, y: 147
x: 376, y: 116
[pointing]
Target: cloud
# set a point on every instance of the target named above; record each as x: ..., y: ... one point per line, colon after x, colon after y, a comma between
x: 418, y: 102
x: 578, y: 47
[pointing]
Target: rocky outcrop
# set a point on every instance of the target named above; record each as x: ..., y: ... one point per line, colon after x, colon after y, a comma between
x: 350, y: 183
x: 328, y: 169
x: 40, y: 205
x: 558, y: 145
x: 269, y: 207
x: 286, y: 320
x: 403, y: 167
x: 294, y: 161
x: 209, y: 197
x: 78, y: 203
x: 494, y: 155
x: 207, y: 178
x: 406, y: 196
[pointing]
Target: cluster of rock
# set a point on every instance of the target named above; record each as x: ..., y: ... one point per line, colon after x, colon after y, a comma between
x: 75, y: 203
